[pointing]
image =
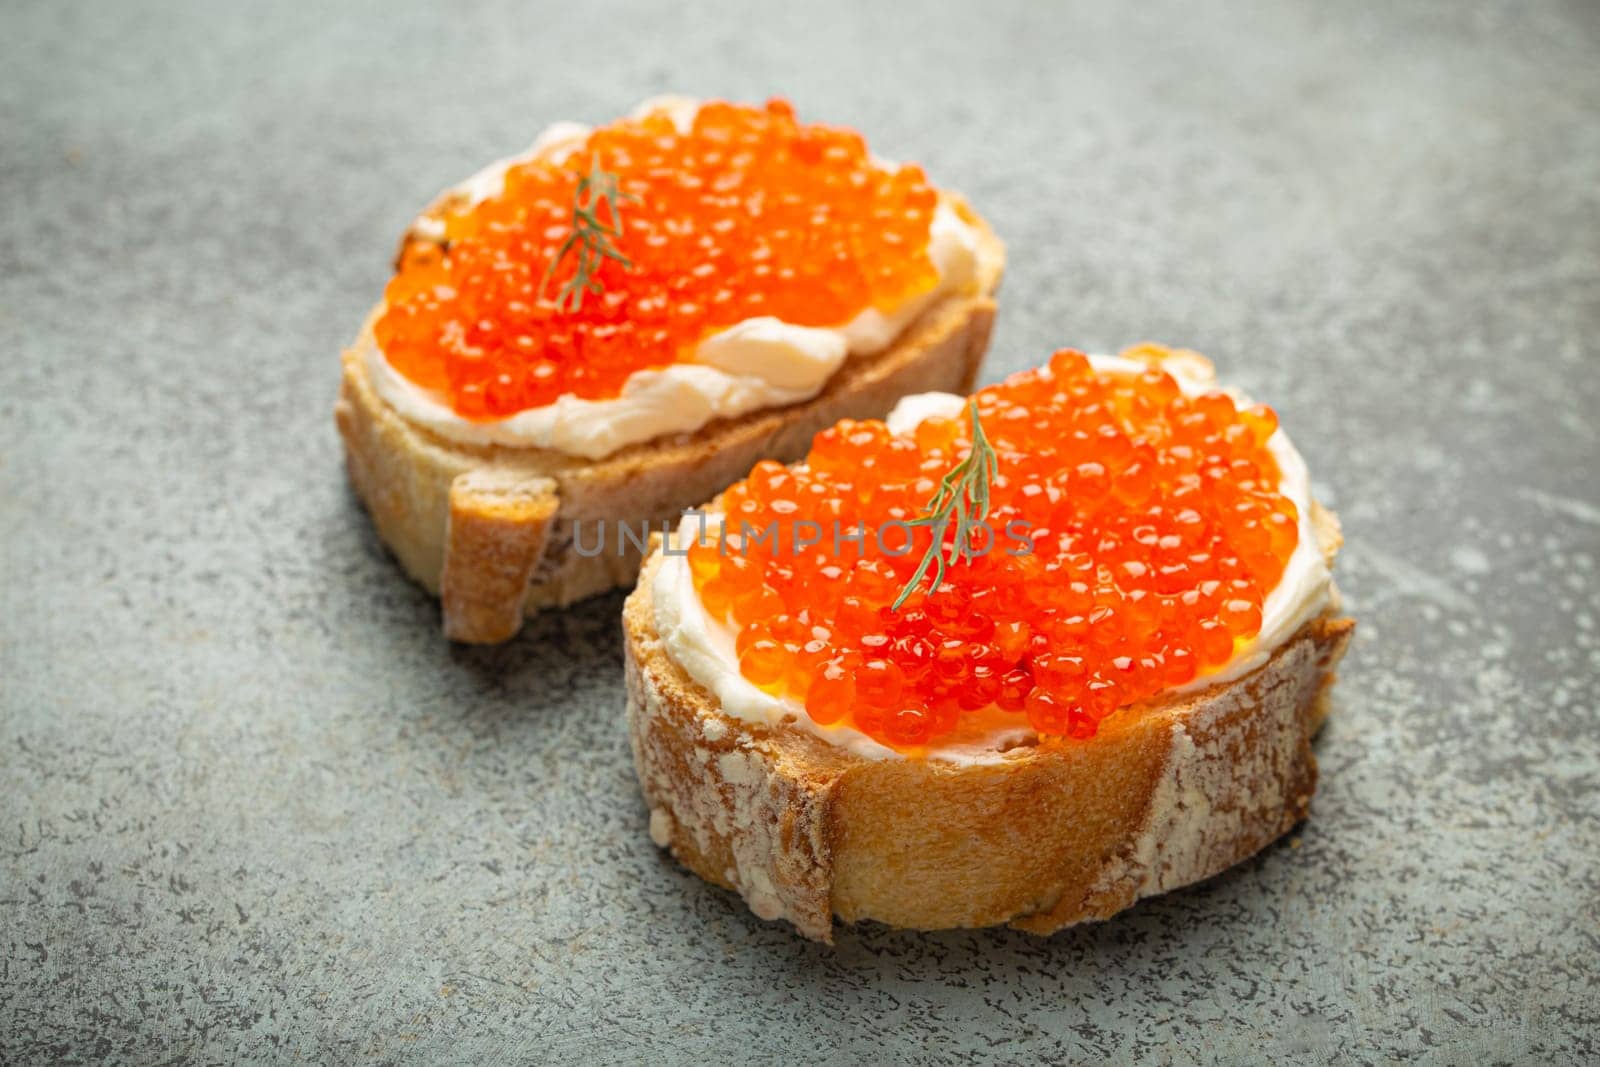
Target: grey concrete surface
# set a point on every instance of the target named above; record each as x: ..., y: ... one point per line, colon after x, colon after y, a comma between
x: 253, y: 808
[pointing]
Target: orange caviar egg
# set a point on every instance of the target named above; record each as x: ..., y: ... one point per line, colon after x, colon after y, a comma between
x: 1133, y: 535
x: 749, y: 213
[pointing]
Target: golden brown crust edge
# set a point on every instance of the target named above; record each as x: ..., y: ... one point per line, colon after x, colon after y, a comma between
x: 1056, y: 834
x: 495, y: 535
x: 403, y: 474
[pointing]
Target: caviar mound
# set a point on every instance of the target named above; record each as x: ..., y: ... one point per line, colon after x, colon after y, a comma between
x: 749, y: 213
x: 1135, y: 532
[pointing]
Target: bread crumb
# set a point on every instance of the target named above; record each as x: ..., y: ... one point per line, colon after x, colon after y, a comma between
x: 660, y: 827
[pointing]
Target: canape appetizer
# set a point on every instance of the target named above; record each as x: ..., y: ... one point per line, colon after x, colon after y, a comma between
x: 590, y: 337
x: 1024, y: 658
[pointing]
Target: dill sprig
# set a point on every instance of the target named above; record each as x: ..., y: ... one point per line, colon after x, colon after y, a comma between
x: 963, y: 495
x: 592, y: 236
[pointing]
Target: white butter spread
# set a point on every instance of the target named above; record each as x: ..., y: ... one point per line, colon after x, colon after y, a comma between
x: 704, y: 647
x: 758, y: 363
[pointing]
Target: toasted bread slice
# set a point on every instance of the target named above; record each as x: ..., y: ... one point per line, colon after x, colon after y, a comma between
x: 458, y: 540
x: 1057, y: 832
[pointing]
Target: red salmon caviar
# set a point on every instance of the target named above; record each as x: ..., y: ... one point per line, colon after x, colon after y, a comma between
x: 1156, y: 530
x: 748, y: 214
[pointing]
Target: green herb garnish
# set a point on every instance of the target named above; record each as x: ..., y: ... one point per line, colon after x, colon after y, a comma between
x: 591, y: 236
x: 963, y: 494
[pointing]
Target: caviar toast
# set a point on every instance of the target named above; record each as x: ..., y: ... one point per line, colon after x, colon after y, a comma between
x: 1116, y: 699
x: 583, y: 341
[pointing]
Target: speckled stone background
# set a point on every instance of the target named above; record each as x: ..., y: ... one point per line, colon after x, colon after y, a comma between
x: 254, y: 808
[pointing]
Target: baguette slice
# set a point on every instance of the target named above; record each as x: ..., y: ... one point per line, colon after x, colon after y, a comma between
x: 456, y: 540
x: 1059, y: 832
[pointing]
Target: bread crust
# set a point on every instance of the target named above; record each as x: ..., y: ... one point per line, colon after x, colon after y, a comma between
x: 1056, y: 833
x: 404, y: 473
